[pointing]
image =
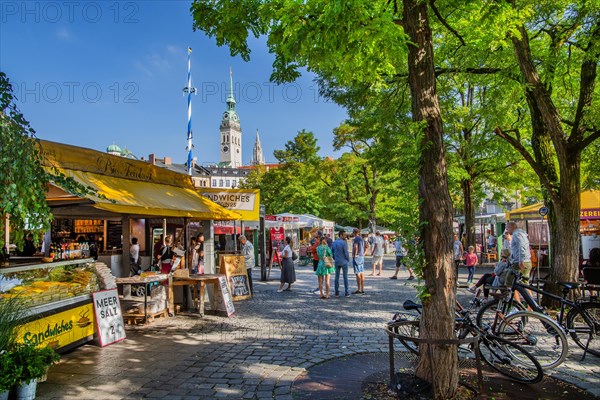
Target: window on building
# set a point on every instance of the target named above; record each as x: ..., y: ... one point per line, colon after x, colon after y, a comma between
x: 220, y: 182
x: 227, y: 183
x: 214, y: 182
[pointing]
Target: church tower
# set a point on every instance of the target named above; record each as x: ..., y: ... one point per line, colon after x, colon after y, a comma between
x: 231, y: 132
x: 257, y: 154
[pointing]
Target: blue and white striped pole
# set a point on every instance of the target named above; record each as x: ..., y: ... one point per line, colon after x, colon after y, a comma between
x: 189, y: 90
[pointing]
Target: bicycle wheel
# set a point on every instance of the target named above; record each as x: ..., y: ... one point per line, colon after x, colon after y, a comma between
x: 582, y: 333
x: 510, y: 359
x: 538, y: 334
x: 406, y: 327
x: 486, y: 316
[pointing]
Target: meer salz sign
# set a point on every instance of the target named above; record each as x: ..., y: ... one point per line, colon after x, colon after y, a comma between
x: 109, y: 319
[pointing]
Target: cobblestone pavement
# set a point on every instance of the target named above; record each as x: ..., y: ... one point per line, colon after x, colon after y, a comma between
x: 258, y: 352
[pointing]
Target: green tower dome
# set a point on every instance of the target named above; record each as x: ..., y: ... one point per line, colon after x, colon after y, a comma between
x: 113, y: 148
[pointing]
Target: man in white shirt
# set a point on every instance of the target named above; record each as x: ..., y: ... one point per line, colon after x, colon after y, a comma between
x: 401, y: 252
x: 377, y: 253
x: 248, y: 253
x: 134, y: 253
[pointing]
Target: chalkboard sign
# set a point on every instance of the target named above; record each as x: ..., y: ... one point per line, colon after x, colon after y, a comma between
x: 234, y: 268
x: 109, y: 319
x: 223, y: 299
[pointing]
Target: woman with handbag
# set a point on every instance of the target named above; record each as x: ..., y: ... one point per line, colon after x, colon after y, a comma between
x: 325, y: 267
x: 288, y: 272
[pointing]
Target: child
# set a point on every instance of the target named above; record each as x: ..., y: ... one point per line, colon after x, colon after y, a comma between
x: 470, y: 261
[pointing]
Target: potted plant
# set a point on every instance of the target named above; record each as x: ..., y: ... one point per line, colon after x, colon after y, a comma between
x: 13, y: 310
x: 34, y: 363
x: 9, y: 373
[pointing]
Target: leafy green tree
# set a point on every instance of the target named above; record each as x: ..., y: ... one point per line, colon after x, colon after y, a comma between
x: 556, y: 46
x: 23, y: 189
x: 24, y: 180
x: 358, y: 42
x: 295, y: 186
x: 481, y: 164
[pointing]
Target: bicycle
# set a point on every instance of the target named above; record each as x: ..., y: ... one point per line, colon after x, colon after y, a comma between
x: 582, y: 321
x: 502, y: 355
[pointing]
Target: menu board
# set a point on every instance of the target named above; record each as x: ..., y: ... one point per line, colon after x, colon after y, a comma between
x: 109, y: 319
x: 222, y: 299
x: 234, y: 268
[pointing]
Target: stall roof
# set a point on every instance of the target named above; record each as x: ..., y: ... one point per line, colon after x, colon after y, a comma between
x: 590, y: 208
x: 129, y: 186
x: 381, y: 229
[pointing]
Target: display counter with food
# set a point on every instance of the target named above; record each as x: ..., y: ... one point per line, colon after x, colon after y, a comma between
x: 58, y: 299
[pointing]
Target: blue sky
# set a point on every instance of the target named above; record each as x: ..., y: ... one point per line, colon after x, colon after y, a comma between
x: 90, y: 73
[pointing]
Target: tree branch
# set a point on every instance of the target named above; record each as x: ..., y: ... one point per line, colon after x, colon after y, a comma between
x: 516, y: 144
x: 444, y: 22
x: 468, y: 70
x: 588, y: 140
x: 586, y: 89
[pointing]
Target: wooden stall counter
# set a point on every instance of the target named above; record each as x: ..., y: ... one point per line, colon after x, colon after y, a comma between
x: 145, y: 281
x: 198, y: 283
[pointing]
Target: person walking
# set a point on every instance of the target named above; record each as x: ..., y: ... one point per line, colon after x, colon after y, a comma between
x: 358, y: 261
x: 471, y: 260
x: 400, y: 254
x: 323, y: 271
x: 520, y: 254
x: 315, y: 241
x: 341, y: 258
x: 288, y: 271
x: 458, y: 250
x: 377, y: 253
x: 248, y: 253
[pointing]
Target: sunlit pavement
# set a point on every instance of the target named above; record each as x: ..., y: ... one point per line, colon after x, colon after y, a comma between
x: 258, y: 352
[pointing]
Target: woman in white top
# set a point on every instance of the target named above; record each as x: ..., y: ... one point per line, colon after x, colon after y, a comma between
x: 288, y: 272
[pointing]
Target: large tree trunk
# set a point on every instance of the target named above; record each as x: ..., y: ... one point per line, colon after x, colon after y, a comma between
x: 435, y: 209
x: 467, y: 189
x: 561, y: 191
x: 564, y: 253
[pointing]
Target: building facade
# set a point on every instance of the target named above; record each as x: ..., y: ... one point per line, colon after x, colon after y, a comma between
x: 231, y: 132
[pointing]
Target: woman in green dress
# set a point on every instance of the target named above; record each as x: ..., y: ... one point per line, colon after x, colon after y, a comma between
x: 323, y: 271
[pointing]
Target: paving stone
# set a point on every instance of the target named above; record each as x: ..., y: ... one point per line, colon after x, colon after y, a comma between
x: 259, y: 351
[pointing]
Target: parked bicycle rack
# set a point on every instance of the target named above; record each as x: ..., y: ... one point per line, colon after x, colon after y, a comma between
x: 469, y: 340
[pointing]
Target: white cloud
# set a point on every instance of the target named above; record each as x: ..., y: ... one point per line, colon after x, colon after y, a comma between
x: 154, y: 63
x: 175, y: 49
x: 63, y: 33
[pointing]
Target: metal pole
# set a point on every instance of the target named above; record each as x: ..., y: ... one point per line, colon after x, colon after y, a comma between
x: 189, y: 90
x: 263, y: 251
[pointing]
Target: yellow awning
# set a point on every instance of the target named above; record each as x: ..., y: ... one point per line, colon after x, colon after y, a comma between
x: 589, y: 208
x: 527, y: 212
x: 129, y: 186
x: 141, y: 198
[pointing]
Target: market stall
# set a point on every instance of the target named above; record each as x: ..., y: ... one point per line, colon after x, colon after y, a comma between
x: 122, y: 198
x: 58, y: 296
x: 536, y: 225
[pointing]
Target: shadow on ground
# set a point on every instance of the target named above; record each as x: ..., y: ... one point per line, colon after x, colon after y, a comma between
x: 362, y: 377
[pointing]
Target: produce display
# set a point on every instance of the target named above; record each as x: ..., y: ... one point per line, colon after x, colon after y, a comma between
x: 46, y: 285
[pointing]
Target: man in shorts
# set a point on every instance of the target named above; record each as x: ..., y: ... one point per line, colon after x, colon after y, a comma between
x: 358, y: 261
x: 377, y: 253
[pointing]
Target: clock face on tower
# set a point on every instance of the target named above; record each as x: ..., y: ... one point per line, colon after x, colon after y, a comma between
x: 225, y: 149
x: 225, y: 115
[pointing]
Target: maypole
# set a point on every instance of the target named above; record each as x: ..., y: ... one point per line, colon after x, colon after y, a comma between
x: 189, y: 90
